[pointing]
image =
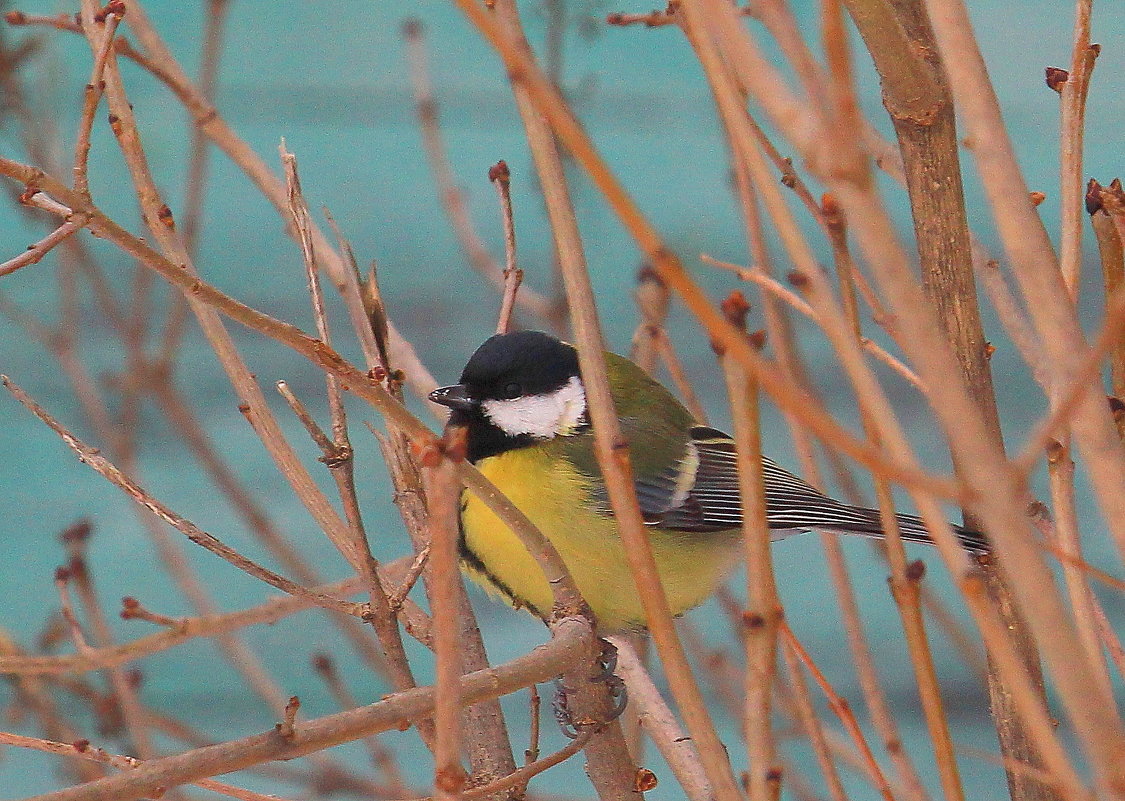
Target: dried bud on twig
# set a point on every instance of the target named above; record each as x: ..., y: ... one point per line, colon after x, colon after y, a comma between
x: 1093, y: 197
x: 115, y: 7
x: 455, y: 443
x: 77, y: 532
x: 500, y: 172
x: 450, y: 778
x: 287, y: 726
x: 735, y: 308
x: 1113, y: 198
x: 752, y: 620
x: 652, y: 295
x: 322, y: 663
x: 129, y: 607
x: 644, y: 780
x: 833, y: 214
x: 135, y: 677
x: 1056, y: 77
x: 428, y: 454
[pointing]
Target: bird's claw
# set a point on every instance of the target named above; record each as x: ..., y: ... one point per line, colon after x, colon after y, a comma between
x: 619, y: 693
x: 607, y: 663
x: 559, y: 706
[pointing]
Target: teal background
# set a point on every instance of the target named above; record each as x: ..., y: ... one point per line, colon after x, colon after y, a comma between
x: 330, y: 78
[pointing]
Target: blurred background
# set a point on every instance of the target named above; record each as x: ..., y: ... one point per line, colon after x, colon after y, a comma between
x: 331, y: 79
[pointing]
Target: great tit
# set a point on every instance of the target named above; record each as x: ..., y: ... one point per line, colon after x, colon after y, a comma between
x: 522, y: 401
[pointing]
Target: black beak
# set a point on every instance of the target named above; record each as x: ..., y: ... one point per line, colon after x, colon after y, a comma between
x: 453, y: 396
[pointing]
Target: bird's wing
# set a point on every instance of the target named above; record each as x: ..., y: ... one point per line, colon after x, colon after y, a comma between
x: 698, y: 492
x: 712, y: 502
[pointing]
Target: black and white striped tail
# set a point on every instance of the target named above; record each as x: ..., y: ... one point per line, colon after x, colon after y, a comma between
x: 911, y: 528
x: 792, y: 504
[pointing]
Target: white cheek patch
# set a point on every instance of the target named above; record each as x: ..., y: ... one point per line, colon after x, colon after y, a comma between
x: 540, y: 416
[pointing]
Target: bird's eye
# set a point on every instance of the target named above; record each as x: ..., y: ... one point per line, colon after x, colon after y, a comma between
x: 512, y: 390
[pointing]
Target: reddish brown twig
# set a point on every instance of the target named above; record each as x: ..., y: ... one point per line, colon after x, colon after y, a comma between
x: 500, y: 177
x: 35, y: 253
x: 94, y: 88
x: 84, y: 750
x: 451, y: 195
x: 107, y: 470
x: 1073, y: 89
x: 443, y: 492
x: 842, y: 709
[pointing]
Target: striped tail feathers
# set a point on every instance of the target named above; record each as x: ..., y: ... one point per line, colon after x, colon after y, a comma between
x: 911, y: 529
x: 710, y: 500
x: 914, y: 530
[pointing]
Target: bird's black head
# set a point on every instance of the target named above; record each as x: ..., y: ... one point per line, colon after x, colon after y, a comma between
x: 517, y: 388
x: 521, y: 363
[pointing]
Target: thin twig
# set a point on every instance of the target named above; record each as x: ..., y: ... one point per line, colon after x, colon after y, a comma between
x: 328, y: 449
x: 83, y: 750
x: 1109, y: 637
x: 381, y: 756
x: 896, y: 364
x: 679, y: 377
x: 1067, y: 400
x: 764, y: 612
x: 1072, y: 132
x: 531, y: 754
x: 451, y: 196
x: 1012, y: 316
x: 660, y: 723
x: 396, y: 598
x: 842, y: 709
x: 813, y: 730
x: 513, y: 275
x: 443, y: 492
x: 35, y: 253
x: 1112, y: 257
x: 124, y: 692
x: 94, y: 87
x: 1060, y: 474
x: 107, y: 470
x: 523, y: 775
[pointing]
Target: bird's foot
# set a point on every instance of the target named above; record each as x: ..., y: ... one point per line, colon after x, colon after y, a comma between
x: 607, y: 662
x: 561, y: 707
x: 619, y: 696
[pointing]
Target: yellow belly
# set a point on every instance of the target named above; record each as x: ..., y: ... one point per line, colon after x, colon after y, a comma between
x: 691, y: 565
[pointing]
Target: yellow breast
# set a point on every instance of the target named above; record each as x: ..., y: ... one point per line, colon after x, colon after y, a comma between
x: 555, y: 497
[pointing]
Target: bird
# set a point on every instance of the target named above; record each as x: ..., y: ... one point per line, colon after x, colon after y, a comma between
x: 522, y: 403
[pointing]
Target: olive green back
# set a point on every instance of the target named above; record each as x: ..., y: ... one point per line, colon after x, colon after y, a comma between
x: 655, y: 424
